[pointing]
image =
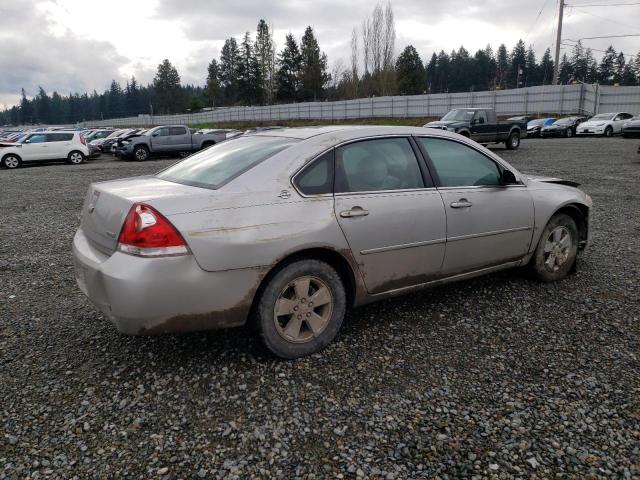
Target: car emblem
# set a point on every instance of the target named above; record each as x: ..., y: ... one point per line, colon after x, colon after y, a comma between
x: 284, y: 194
x: 94, y: 201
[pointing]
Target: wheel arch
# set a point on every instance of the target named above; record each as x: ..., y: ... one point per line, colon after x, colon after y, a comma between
x: 580, y: 214
x: 332, y: 257
x: 11, y: 154
x: 464, y: 132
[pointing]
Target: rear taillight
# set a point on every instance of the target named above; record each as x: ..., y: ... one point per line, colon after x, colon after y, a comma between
x: 82, y: 140
x: 147, y: 233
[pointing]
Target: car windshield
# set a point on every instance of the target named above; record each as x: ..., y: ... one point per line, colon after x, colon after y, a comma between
x: 564, y: 121
x: 603, y: 116
x: 215, y: 166
x: 534, y: 123
x: 459, y: 115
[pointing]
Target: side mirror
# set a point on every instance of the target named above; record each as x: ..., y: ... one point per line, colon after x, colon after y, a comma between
x: 155, y: 134
x: 508, y: 178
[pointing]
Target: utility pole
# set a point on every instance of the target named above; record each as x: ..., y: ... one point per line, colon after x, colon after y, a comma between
x: 556, y: 65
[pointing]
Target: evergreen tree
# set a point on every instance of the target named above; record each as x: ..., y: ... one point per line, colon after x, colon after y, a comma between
x: 249, y: 80
x: 132, y: 97
x: 213, y: 89
x: 442, y: 75
x: 460, y: 76
x: 517, y: 65
x: 26, y: 109
x: 410, y: 72
x: 229, y: 60
x: 167, y: 88
x: 620, y: 64
x: 43, y: 106
x: 431, y: 70
x: 115, y: 101
x: 545, y: 69
x: 565, y: 72
x: 607, y: 67
x: 313, y: 67
x: 289, y: 71
x: 502, y: 67
x: 531, y: 71
x: 265, y: 55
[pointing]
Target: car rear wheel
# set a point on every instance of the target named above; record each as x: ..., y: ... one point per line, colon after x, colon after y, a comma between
x: 569, y: 133
x: 557, y: 249
x: 301, y: 309
x: 76, y: 158
x: 513, y: 142
x: 141, y: 153
x: 11, y: 161
x: 608, y: 132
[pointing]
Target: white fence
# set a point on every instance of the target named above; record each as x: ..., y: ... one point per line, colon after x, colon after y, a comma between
x: 549, y: 99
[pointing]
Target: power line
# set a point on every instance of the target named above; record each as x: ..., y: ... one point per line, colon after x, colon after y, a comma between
x: 602, y: 5
x: 606, y: 36
x: 608, y: 19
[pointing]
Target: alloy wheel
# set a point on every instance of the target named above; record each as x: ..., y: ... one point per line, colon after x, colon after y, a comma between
x: 75, y: 158
x: 303, y: 310
x: 11, y: 162
x: 557, y: 248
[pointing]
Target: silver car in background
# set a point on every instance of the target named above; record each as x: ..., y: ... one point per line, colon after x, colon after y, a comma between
x: 288, y: 228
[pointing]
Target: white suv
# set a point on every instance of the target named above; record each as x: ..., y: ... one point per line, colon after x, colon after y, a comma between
x: 55, y: 145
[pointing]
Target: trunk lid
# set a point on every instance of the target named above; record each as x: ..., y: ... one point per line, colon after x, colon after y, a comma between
x: 107, y: 204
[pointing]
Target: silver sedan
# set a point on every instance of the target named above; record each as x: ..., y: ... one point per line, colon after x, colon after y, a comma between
x: 288, y: 228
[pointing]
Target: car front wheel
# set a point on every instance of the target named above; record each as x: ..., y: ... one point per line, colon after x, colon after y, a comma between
x: 301, y: 309
x: 557, y: 249
x: 608, y: 132
x: 11, y: 161
x: 569, y: 133
x: 140, y: 153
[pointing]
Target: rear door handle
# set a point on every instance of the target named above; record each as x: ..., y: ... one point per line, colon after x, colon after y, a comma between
x: 354, y: 212
x: 462, y: 203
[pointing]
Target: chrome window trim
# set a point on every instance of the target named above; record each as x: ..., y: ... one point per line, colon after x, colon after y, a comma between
x: 387, y: 192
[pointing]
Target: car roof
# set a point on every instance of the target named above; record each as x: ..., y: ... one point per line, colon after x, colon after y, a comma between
x: 342, y: 132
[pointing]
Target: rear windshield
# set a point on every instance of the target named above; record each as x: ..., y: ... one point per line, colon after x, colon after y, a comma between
x: 217, y: 165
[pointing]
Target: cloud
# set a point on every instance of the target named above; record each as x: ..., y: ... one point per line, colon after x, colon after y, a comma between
x: 33, y: 53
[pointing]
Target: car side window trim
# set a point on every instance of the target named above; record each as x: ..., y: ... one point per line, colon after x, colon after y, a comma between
x: 436, y: 178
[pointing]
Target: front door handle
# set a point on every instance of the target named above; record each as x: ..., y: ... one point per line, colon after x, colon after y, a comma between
x: 462, y: 203
x: 354, y: 212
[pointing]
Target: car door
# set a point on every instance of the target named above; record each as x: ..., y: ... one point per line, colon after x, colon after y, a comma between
x: 35, y: 147
x: 487, y: 223
x: 619, y: 120
x: 160, y: 140
x: 180, y: 138
x: 58, y: 144
x: 389, y: 212
x: 481, y: 130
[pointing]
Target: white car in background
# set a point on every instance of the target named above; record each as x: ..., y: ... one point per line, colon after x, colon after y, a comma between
x: 40, y: 146
x: 607, y: 124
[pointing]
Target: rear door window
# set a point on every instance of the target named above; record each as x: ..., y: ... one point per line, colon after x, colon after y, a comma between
x: 59, y: 137
x: 177, y: 131
x: 376, y: 165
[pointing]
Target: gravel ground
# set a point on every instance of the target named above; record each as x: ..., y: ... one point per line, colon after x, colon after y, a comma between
x: 495, y: 377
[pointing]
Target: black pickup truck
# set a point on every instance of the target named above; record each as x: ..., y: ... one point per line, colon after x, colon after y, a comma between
x: 481, y: 125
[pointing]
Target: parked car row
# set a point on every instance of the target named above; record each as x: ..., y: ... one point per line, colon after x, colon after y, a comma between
x: 44, y: 145
x: 605, y: 124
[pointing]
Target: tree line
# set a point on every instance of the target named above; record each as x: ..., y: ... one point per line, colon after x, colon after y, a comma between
x: 251, y: 72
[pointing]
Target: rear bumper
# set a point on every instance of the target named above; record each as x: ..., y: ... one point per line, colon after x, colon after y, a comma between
x: 161, y: 295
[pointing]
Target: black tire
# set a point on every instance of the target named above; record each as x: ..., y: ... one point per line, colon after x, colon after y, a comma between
x: 513, y: 142
x: 140, y: 153
x: 569, y: 133
x: 608, y: 132
x: 11, y: 161
x: 207, y: 145
x: 272, y: 327
x: 465, y: 134
x: 541, y: 265
x: 76, y: 158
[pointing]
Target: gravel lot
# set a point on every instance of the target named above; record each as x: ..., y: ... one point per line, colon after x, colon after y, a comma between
x: 495, y: 377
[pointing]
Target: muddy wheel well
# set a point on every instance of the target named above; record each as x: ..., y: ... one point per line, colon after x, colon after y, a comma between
x: 331, y: 257
x: 580, y: 214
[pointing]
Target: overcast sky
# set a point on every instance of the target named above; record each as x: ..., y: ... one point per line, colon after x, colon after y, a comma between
x: 80, y: 45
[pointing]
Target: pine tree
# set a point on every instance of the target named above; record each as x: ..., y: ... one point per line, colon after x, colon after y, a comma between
x: 565, y: 72
x: 167, y: 88
x: 249, y: 80
x: 410, y: 72
x: 289, y: 71
x: 502, y: 67
x: 132, y: 97
x: 26, y: 109
x: 313, y: 67
x: 517, y: 65
x: 213, y: 90
x: 265, y: 55
x: 43, y: 106
x: 607, y: 67
x: 531, y: 71
x: 545, y: 69
x: 431, y: 71
x: 620, y: 64
x: 229, y: 60
x: 442, y: 69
